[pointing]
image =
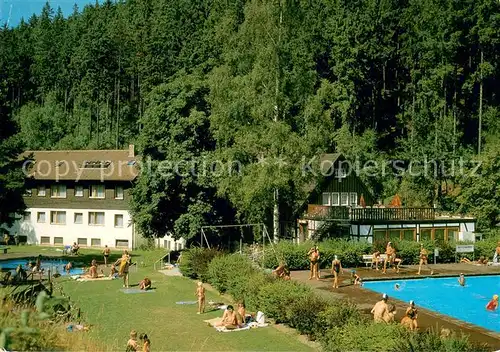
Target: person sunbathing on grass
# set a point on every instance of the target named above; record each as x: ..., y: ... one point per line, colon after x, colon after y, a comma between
x: 242, y: 313
x: 92, y: 274
x: 229, y: 319
x: 145, y: 284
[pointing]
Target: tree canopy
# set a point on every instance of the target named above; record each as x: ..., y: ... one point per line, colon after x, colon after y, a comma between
x: 249, y: 89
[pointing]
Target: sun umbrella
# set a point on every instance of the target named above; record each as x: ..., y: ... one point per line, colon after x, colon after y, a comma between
x: 362, y: 201
x: 396, y: 202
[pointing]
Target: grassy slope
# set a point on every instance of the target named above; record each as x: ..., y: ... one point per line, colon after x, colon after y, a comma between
x: 169, y: 326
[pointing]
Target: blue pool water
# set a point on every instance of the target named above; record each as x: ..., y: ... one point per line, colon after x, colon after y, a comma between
x: 446, y: 296
x: 52, y: 264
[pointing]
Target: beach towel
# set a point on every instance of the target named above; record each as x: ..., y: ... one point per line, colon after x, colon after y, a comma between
x: 135, y: 290
x: 223, y: 329
x: 86, y: 279
x: 186, y: 302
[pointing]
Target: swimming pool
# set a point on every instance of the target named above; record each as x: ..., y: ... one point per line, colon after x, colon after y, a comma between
x: 52, y: 264
x: 446, y: 296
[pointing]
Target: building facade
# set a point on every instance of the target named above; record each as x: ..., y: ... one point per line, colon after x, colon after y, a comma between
x: 342, y: 204
x: 80, y: 196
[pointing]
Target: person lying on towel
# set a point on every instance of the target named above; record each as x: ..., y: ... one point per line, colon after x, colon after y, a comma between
x: 229, y: 319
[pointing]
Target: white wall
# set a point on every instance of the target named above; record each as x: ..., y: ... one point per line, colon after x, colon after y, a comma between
x: 175, y: 245
x: 70, y: 232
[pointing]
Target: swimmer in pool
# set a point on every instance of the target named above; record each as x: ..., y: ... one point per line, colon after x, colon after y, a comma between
x: 493, y: 304
x: 397, y: 287
x: 461, y: 279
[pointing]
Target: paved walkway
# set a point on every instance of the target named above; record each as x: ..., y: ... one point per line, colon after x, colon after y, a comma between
x: 365, y: 299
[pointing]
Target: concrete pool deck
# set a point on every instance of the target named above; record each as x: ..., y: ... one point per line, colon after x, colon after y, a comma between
x: 365, y: 299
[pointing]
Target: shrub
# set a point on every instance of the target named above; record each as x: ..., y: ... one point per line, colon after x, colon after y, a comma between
x: 194, y: 262
x: 295, y: 256
x: 302, y: 314
x: 225, y: 273
x: 362, y: 337
x: 276, y: 296
x: 431, y: 341
x: 250, y: 288
x: 338, y: 314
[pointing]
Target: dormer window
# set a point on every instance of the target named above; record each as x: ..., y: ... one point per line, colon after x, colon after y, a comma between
x: 58, y: 191
x: 96, y: 164
x: 97, y: 191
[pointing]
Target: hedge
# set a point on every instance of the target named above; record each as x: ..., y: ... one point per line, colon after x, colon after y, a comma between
x: 194, y: 262
x: 351, y: 253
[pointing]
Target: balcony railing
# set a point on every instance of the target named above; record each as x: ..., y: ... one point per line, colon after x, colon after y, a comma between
x: 380, y: 214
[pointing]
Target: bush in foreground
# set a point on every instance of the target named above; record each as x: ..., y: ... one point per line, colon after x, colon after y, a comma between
x: 194, y: 262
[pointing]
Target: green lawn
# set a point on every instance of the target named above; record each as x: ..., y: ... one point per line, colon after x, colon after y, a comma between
x: 169, y: 326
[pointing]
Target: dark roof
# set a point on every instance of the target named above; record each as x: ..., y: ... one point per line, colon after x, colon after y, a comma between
x: 75, y: 165
x: 325, y: 163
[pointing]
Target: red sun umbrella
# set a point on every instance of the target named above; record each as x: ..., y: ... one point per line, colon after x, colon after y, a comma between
x: 396, y: 202
x: 362, y: 201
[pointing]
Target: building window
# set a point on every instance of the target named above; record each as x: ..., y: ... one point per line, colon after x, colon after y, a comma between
x: 354, y: 199
x: 58, y: 241
x: 97, y: 191
x: 118, y: 220
x: 96, y: 218
x: 344, y: 198
x: 44, y: 240
x: 335, y: 199
x: 78, y: 218
x: 58, y: 217
x: 326, y: 199
x: 27, y: 216
x: 58, y: 191
x: 40, y: 216
x: 78, y: 191
x: 82, y: 241
x: 119, y: 192
x: 121, y: 243
x: 95, y: 242
x: 41, y: 191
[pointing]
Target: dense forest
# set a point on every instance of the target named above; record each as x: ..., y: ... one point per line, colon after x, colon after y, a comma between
x: 266, y: 84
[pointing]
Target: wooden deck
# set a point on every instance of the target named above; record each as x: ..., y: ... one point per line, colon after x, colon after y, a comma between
x: 320, y: 212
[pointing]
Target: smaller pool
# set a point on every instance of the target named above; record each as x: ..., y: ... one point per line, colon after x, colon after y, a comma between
x: 55, y: 265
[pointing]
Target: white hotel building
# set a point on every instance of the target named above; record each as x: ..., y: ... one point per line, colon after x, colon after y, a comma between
x: 81, y: 196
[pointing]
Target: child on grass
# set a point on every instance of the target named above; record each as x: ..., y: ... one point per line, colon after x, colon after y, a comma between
x: 132, y: 345
x: 200, y: 293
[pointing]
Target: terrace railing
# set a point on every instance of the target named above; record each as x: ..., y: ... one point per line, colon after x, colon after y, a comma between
x: 373, y: 214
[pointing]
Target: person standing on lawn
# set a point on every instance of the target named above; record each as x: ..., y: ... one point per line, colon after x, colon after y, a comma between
x: 200, y: 293
x: 314, y: 262
x: 106, y: 253
x: 124, y: 263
